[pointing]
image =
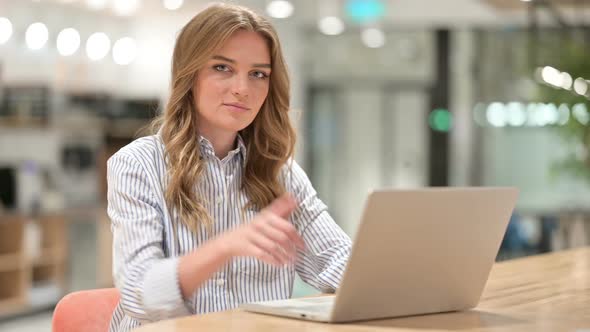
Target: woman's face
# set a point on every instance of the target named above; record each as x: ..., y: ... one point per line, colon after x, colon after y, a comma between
x: 232, y: 86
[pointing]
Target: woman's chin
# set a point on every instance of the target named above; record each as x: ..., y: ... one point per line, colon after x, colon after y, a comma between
x: 236, y: 127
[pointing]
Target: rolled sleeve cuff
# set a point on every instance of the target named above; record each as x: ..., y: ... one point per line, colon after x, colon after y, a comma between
x: 162, y: 296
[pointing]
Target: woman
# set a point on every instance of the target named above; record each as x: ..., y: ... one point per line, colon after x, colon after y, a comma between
x: 212, y: 211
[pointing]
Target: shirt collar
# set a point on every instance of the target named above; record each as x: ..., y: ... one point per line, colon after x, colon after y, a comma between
x: 207, y: 148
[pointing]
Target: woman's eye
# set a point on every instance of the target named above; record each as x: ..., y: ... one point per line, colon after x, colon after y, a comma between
x: 221, y: 68
x: 260, y: 74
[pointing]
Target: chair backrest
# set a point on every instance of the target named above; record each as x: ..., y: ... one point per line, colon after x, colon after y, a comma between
x: 88, y: 310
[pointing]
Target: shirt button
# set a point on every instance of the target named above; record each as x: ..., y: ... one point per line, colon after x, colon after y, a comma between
x: 220, y: 282
x: 219, y: 200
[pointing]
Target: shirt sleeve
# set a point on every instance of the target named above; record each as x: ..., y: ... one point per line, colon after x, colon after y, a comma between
x: 327, y: 247
x: 145, y: 278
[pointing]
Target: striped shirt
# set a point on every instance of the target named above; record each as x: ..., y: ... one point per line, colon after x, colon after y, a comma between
x: 146, y: 251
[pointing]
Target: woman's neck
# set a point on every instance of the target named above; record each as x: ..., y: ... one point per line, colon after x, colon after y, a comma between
x: 222, y: 142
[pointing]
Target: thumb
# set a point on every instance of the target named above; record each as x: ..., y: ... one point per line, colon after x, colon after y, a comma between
x: 283, y: 206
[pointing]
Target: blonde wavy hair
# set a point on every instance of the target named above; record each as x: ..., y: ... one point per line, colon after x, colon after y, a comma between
x: 269, y: 139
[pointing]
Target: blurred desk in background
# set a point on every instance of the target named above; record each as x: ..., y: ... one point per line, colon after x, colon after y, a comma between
x: 573, y: 230
x: 33, y: 262
x: 91, y: 248
x: 548, y: 292
x: 532, y: 232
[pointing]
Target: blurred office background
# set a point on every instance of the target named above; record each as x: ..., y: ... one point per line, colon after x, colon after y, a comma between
x: 385, y: 93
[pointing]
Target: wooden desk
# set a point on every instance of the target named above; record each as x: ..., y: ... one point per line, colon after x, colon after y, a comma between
x: 540, y: 293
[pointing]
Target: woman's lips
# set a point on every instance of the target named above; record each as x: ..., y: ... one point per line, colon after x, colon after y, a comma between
x: 236, y: 107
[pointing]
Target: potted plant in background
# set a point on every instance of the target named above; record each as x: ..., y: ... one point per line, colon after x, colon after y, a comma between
x: 566, y: 84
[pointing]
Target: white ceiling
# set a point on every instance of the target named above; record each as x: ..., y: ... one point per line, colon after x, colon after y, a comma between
x: 399, y: 12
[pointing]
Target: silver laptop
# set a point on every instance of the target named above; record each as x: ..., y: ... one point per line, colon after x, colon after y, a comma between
x: 416, y: 252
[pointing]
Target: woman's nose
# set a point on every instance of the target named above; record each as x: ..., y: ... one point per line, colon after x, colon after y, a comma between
x: 240, y: 86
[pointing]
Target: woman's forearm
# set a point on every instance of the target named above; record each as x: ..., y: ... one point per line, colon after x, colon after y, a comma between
x: 268, y: 237
x: 198, y: 266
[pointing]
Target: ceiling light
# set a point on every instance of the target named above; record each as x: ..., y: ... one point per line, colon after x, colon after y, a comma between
x: 124, y: 51
x: 373, y: 37
x: 279, y: 9
x: 5, y: 30
x: 98, y: 46
x: 36, y: 36
x: 173, y: 4
x: 68, y: 41
x: 331, y: 25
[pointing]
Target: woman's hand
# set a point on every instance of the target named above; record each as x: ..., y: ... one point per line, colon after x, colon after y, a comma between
x: 268, y: 237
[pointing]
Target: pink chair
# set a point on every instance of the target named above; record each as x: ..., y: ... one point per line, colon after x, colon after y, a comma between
x: 88, y: 310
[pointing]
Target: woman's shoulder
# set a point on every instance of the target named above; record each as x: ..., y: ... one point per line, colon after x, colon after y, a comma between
x: 293, y: 175
x: 147, y: 148
x: 142, y: 160
x: 292, y: 167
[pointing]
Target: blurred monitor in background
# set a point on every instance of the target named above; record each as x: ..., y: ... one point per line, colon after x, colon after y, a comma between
x: 7, y: 188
